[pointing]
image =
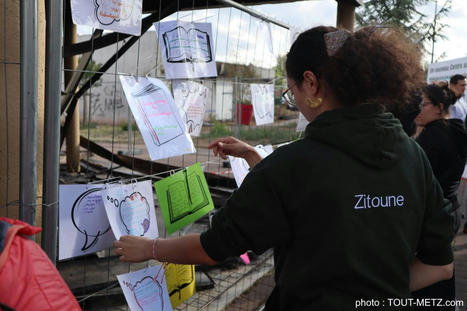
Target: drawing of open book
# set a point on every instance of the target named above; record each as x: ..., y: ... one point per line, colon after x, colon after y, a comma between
x: 187, y: 46
x: 185, y: 197
x: 158, y: 114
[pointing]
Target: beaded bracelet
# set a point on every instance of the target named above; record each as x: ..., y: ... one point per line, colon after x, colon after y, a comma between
x: 154, y: 248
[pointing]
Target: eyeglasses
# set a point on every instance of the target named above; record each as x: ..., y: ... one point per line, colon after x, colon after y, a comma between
x: 424, y: 104
x: 289, y: 98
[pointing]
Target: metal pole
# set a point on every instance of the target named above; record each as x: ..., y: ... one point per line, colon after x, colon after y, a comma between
x: 433, y: 36
x: 53, y: 58
x: 28, y: 111
x: 253, y: 12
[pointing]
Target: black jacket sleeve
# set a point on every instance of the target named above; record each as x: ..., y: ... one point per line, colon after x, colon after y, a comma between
x: 434, y: 247
x: 252, y: 219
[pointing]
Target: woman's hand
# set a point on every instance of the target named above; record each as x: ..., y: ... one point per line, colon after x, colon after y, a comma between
x: 133, y: 248
x: 423, y: 275
x: 185, y: 250
x: 234, y: 147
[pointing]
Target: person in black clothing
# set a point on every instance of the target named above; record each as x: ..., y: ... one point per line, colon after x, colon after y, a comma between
x: 352, y: 211
x: 444, y: 141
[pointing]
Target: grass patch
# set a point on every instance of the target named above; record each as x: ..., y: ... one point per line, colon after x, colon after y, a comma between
x: 219, y: 129
x: 270, y: 134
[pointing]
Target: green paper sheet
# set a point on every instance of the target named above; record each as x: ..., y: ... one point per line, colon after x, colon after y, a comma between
x: 183, y: 197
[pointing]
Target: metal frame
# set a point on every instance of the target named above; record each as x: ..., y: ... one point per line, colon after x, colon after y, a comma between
x: 28, y: 111
x: 51, y: 167
x: 254, y: 13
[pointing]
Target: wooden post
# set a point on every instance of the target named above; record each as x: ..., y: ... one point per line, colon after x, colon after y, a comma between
x: 72, y: 137
x: 346, y: 13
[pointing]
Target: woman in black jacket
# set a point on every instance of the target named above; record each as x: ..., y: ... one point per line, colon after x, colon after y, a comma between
x: 444, y: 141
x: 352, y: 211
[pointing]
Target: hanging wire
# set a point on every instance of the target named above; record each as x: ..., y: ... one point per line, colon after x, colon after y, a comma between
x: 224, y: 80
x: 88, y: 153
x: 110, y: 172
x: 114, y: 108
x: 130, y: 114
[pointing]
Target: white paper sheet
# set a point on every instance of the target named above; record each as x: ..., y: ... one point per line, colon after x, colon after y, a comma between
x: 157, y: 117
x: 262, y: 98
x: 265, y: 34
x: 240, y: 167
x: 130, y: 209
x: 187, y: 49
x: 146, y: 289
x: 301, y: 123
x: 83, y: 227
x: 293, y: 34
x: 117, y: 15
x: 190, y: 99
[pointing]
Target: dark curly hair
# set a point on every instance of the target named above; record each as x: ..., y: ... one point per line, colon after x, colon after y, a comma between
x: 375, y: 65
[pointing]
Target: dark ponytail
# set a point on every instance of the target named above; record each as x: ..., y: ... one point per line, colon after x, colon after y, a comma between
x: 440, y: 94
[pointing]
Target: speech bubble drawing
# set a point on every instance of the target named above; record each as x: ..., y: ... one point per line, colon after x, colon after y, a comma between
x: 148, y: 294
x: 88, y: 208
x: 134, y: 213
x: 110, y: 11
x: 146, y: 289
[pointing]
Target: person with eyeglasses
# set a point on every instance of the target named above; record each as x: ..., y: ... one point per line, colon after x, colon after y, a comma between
x: 352, y: 210
x: 444, y: 141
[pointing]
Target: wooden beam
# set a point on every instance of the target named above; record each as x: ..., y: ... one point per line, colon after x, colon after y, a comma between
x: 149, y: 167
x: 346, y: 13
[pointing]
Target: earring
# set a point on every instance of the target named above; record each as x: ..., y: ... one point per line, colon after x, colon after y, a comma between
x: 313, y: 103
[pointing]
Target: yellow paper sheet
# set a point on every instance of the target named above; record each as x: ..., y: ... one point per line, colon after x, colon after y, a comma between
x: 180, y: 282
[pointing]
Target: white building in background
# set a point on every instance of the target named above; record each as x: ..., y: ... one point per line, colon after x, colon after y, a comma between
x: 142, y: 59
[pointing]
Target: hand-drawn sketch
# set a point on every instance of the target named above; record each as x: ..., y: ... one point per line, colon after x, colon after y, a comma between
x: 180, y: 207
x: 130, y: 209
x: 86, y: 204
x: 111, y: 11
x: 183, y: 197
x: 187, y: 49
x: 157, y: 117
x: 162, y: 129
x: 146, y: 289
x: 262, y: 98
x: 187, y: 45
x: 116, y: 15
x: 180, y: 282
x: 83, y: 225
x: 190, y: 98
x: 240, y: 167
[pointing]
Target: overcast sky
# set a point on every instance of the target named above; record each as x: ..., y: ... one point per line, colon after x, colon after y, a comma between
x: 306, y: 14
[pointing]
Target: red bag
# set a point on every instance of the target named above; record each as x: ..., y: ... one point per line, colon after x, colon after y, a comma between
x: 29, y: 280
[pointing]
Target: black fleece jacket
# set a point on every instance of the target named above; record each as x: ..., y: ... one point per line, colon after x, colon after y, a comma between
x: 345, y: 209
x: 445, y: 143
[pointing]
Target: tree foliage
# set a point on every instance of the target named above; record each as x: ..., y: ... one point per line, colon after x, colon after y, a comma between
x: 90, y: 70
x: 407, y: 16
